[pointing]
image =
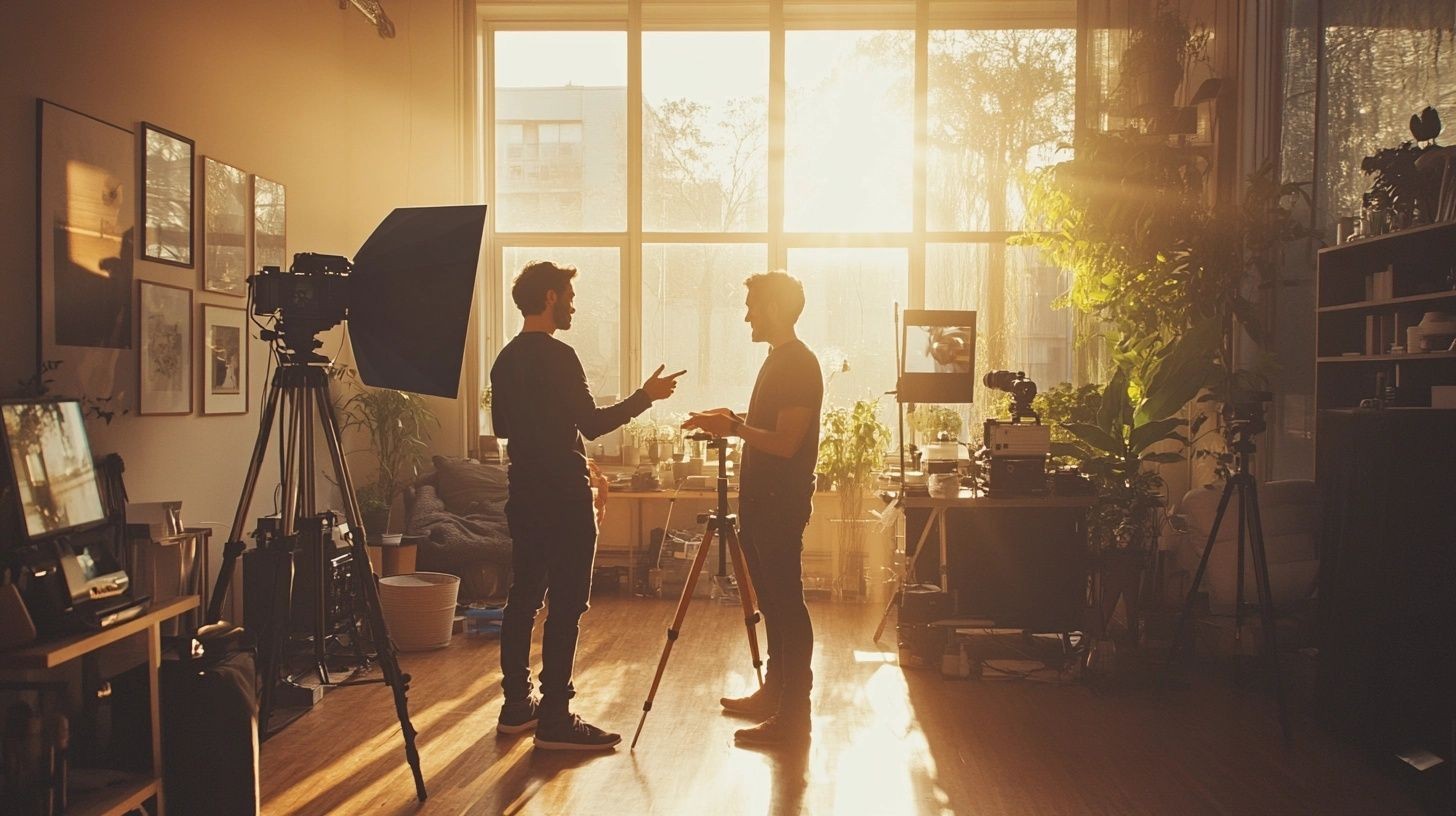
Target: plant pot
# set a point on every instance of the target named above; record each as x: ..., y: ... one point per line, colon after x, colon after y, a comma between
x: 822, y: 483
x: 376, y: 523
x: 1153, y: 88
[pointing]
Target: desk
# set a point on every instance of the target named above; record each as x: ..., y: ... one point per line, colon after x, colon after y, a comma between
x: 1019, y: 562
x: 637, y: 526
x: 126, y: 797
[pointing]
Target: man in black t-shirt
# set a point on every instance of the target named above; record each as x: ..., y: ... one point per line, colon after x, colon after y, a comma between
x: 775, y: 493
x: 541, y: 405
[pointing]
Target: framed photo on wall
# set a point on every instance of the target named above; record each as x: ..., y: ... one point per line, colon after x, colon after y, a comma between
x: 167, y: 164
x: 269, y: 222
x: 165, y: 340
x: 227, y: 210
x: 85, y: 227
x: 224, y: 360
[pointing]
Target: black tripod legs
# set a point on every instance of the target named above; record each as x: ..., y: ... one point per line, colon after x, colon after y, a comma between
x: 1251, y: 531
x: 397, y: 680
x: 1266, y: 603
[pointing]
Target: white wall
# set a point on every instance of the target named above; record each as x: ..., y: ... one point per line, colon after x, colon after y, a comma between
x: 299, y: 91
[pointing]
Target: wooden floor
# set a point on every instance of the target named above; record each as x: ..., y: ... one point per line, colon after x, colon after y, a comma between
x: 887, y: 740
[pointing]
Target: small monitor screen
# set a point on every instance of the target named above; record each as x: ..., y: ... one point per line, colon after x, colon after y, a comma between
x: 51, y: 460
x: 940, y: 349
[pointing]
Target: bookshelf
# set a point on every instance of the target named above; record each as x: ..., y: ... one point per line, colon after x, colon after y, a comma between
x: 1369, y: 293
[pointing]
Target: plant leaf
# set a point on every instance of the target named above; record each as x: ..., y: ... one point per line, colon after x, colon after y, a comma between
x: 1153, y: 432
x: 1114, y: 404
x: 1096, y: 437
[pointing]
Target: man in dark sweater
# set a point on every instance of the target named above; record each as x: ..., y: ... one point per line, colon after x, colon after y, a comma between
x: 541, y: 404
x: 775, y: 493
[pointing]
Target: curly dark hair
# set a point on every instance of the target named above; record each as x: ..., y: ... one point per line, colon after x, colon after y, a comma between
x: 529, y: 288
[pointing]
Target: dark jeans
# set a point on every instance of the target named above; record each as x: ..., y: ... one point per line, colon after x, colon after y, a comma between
x: 772, y: 535
x: 554, y: 540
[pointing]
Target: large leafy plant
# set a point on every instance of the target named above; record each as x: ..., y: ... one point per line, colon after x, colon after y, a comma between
x: 398, y: 426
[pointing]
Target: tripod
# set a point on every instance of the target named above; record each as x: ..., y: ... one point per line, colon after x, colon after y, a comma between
x: 302, y: 391
x: 724, y: 525
x: 1250, y: 525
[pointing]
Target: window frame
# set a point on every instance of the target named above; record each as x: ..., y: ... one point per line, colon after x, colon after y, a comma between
x: 776, y: 17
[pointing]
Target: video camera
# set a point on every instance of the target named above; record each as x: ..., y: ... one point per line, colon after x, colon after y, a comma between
x: 1018, y: 450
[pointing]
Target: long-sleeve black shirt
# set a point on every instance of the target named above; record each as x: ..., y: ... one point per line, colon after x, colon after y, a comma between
x: 541, y: 404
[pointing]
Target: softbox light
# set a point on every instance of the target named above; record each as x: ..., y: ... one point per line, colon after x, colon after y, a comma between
x: 410, y: 293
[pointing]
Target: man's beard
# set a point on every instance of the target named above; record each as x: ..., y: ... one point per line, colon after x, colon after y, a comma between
x: 561, y: 313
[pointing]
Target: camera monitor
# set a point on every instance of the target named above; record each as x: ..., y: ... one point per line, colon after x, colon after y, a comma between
x: 50, y: 459
x: 938, y: 356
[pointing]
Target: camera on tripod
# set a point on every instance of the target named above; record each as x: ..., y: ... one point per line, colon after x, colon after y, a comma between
x: 1244, y: 412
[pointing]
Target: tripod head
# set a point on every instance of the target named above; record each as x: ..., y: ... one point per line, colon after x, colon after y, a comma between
x: 1244, y: 419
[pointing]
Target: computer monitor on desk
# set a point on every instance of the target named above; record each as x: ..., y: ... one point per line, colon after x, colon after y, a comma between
x: 60, y: 529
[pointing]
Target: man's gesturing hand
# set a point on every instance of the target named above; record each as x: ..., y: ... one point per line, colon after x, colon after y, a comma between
x: 659, y: 387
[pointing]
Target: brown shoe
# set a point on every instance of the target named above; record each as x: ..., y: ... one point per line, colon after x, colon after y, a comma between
x: 780, y: 729
x: 759, y: 705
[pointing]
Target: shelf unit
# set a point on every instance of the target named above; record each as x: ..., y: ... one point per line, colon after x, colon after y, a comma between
x: 132, y: 789
x: 1357, y: 321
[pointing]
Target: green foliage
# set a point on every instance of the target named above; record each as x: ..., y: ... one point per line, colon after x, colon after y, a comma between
x: 929, y: 421
x: 1113, y: 447
x: 852, y: 443
x: 398, y: 425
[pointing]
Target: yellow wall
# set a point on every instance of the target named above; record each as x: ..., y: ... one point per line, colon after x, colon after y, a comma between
x: 299, y: 91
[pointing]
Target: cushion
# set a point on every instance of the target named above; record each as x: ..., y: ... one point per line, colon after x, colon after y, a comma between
x: 467, y: 486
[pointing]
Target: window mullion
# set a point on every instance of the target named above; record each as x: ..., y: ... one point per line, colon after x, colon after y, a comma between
x: 778, y: 257
x: 918, y: 150
x: 631, y: 322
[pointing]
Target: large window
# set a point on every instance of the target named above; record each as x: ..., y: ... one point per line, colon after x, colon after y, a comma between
x: 669, y: 164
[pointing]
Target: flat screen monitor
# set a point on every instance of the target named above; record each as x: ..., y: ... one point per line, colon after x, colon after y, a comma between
x: 50, y: 459
x: 938, y: 356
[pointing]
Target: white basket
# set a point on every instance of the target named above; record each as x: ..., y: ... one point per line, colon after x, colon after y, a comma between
x: 419, y: 609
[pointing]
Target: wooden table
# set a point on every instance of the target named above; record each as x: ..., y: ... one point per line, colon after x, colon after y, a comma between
x: 122, y: 798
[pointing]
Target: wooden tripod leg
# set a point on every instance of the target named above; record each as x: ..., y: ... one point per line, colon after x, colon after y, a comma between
x: 909, y: 573
x: 673, y: 630
x: 747, y: 597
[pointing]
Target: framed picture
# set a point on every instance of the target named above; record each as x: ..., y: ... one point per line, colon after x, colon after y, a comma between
x: 85, y: 228
x: 227, y: 209
x: 167, y: 164
x: 165, y: 339
x: 269, y: 233
x: 224, y: 360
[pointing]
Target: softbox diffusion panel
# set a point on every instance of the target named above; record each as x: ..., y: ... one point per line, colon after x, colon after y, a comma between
x: 413, y: 283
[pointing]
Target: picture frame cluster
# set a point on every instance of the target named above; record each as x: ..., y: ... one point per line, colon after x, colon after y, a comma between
x: 115, y: 210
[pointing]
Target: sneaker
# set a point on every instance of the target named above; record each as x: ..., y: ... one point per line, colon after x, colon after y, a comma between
x: 780, y: 729
x: 573, y: 734
x: 760, y: 705
x: 517, y: 716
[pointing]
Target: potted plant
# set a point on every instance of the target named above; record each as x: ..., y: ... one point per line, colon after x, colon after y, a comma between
x: 852, y: 444
x: 398, y: 426
x: 1157, y: 57
x: 635, y: 435
x: 930, y: 421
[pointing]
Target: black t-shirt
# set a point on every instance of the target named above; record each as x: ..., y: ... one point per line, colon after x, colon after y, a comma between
x: 541, y: 404
x: 789, y: 378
